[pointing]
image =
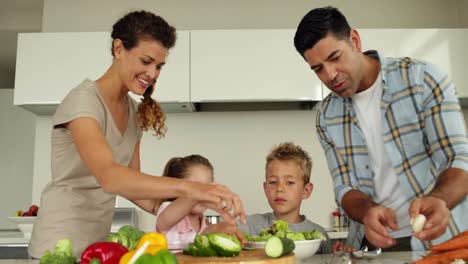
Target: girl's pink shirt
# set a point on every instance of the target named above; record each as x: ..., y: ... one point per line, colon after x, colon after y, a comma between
x: 182, y: 234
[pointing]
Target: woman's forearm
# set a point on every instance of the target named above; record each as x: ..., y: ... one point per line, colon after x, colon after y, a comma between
x: 135, y: 185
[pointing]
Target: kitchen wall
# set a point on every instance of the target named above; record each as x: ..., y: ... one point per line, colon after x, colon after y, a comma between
x: 235, y: 142
x: 225, y: 14
x: 16, y: 157
x: 463, y: 10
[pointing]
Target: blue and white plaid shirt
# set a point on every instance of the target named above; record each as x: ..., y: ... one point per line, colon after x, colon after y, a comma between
x: 423, y: 131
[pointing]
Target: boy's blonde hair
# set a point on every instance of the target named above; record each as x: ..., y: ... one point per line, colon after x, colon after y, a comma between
x: 289, y: 151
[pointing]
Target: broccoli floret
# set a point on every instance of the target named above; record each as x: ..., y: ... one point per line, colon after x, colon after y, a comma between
x: 129, y: 236
x: 63, y: 254
x: 64, y: 246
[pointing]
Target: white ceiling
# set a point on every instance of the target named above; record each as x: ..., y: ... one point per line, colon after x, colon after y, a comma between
x: 15, y: 16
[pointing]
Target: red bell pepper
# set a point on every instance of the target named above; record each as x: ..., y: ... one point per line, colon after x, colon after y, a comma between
x: 106, y: 252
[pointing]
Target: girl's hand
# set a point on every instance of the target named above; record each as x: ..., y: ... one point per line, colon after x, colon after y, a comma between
x: 226, y: 228
x: 218, y: 198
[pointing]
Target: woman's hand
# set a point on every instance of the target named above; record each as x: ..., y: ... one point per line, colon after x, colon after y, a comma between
x: 218, y: 198
x: 226, y: 228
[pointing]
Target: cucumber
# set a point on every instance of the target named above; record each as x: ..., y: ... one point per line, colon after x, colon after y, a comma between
x: 276, y: 247
x: 203, y: 244
x: 192, y: 250
x: 225, y: 245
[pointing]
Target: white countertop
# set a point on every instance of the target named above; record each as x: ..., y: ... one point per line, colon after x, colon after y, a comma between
x: 385, y: 258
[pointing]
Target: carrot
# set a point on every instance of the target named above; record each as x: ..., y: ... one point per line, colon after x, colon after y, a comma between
x: 464, y: 233
x: 451, y: 244
x: 445, y: 257
x: 432, y: 253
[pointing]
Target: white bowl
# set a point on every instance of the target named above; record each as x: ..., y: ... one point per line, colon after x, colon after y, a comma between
x: 304, y: 248
x: 24, y: 223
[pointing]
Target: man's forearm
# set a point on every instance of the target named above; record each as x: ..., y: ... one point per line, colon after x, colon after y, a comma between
x: 356, y: 204
x: 451, y: 186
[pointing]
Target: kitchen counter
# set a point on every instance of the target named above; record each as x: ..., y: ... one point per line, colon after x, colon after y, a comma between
x: 12, y: 237
x: 385, y: 258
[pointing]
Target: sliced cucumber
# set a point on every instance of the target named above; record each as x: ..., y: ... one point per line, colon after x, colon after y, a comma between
x: 277, y: 247
x: 192, y: 250
x: 203, y: 245
x: 225, y: 245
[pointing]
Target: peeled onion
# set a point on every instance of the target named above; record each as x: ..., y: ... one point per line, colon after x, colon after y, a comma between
x: 417, y: 223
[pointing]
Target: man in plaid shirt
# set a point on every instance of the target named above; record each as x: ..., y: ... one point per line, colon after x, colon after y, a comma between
x: 393, y: 135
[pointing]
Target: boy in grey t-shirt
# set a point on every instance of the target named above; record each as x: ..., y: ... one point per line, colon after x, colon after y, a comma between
x: 288, y: 169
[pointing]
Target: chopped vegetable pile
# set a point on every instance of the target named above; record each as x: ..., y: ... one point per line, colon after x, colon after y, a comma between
x: 280, y: 229
x: 213, y: 245
x: 128, y: 246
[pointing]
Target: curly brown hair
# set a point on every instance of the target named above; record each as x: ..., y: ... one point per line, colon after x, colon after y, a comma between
x: 289, y: 151
x: 130, y: 29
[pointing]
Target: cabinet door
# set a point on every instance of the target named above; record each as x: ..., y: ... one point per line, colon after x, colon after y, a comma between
x: 443, y: 47
x: 173, y: 84
x: 49, y: 65
x: 249, y: 65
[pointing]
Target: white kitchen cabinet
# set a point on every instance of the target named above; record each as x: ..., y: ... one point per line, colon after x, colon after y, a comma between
x: 443, y: 47
x: 249, y: 66
x: 49, y: 65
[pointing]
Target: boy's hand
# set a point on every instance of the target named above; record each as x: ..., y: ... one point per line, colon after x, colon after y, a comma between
x: 226, y: 228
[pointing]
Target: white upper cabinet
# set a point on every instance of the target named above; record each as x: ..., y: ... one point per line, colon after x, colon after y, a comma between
x: 248, y: 66
x: 443, y: 47
x: 49, y: 65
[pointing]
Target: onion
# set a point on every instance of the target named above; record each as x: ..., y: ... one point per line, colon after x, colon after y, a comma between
x: 417, y: 223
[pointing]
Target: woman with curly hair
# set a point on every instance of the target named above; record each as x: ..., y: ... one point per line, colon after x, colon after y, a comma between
x: 96, y: 136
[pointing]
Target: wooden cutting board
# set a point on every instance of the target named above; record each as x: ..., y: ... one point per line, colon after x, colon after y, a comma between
x: 256, y: 256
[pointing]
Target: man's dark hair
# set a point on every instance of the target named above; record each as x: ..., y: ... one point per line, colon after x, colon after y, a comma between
x: 317, y: 24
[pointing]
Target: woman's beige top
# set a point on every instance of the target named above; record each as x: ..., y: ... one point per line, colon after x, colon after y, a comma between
x: 73, y: 204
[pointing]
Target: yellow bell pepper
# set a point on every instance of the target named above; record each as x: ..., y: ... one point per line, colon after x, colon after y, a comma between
x: 156, y: 242
x: 126, y: 258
